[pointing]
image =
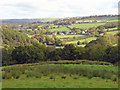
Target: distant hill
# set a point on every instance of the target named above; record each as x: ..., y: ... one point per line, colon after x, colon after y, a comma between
x: 26, y: 20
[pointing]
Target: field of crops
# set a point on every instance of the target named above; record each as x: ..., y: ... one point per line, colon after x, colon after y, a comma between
x: 85, y: 26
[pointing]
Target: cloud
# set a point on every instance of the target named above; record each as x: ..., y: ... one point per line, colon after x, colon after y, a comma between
x: 56, y: 8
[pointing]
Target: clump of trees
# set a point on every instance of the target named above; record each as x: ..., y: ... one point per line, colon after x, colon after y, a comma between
x: 32, y: 54
x: 48, y: 40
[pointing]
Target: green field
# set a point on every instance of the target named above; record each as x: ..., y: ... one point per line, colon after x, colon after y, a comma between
x: 30, y: 36
x: 59, y: 47
x: 113, y: 32
x: 85, y: 26
x: 68, y: 36
x: 61, y: 29
x: 29, y: 29
x: 82, y: 40
x: 99, y: 20
x: 60, y: 76
x: 111, y: 29
x: 114, y: 20
x: 1, y: 46
x: 103, y: 18
x: 83, y: 45
x: 69, y: 82
x: 97, y: 67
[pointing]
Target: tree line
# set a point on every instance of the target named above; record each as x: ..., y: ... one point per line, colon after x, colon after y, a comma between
x: 37, y: 53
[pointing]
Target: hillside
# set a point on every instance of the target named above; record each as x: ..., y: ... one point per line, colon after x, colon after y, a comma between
x: 12, y: 38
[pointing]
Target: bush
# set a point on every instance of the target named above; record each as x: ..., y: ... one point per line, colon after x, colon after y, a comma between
x: 114, y: 78
x: 90, y: 77
x: 6, y: 76
x: 52, y: 77
x: 79, y: 62
x: 108, y: 75
x: 38, y: 75
x: 29, y: 74
x: 75, y: 77
x: 16, y: 74
x: 64, y: 77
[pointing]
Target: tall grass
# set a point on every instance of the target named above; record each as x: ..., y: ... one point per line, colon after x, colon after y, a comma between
x: 37, y: 71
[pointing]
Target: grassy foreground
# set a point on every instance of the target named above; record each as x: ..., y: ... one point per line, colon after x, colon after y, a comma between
x: 46, y: 82
x: 59, y: 76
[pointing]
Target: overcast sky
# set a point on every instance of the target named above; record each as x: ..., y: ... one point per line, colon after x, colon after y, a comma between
x: 12, y: 9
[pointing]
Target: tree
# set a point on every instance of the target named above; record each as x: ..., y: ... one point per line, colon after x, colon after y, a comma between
x: 80, y: 53
x: 28, y: 54
x: 69, y: 52
x: 112, y: 54
x: 78, y: 43
x: 96, y: 52
x: 6, y: 56
x: 55, y: 55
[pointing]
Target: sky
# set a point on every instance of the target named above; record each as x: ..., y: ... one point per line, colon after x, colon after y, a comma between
x: 23, y: 9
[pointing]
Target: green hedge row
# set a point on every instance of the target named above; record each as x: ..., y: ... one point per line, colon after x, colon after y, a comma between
x: 79, y: 62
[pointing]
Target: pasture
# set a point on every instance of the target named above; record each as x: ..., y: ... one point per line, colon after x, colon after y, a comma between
x: 86, y: 25
x: 45, y: 82
x: 30, y: 36
x: 82, y: 40
x: 111, y: 29
x: 68, y: 36
x: 60, y: 29
x: 114, y: 20
x: 1, y: 47
x: 59, y: 76
x: 83, y: 45
x: 103, y: 18
x: 113, y: 32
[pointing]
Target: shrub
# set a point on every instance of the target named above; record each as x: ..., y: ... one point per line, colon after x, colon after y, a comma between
x: 114, y: 78
x: 38, y: 75
x: 6, y: 76
x: 75, y: 77
x: 108, y: 75
x: 64, y: 77
x: 29, y: 74
x: 3, y: 76
x: 15, y: 73
x: 90, y: 77
x: 52, y: 77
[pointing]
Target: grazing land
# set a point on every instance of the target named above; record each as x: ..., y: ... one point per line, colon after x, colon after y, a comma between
x: 67, y: 36
x: 61, y: 29
x: 60, y: 76
x: 82, y: 40
x: 86, y: 25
